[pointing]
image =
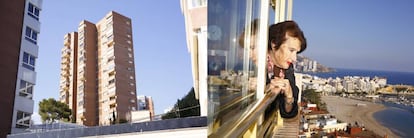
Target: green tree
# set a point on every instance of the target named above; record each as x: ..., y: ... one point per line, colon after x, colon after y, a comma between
x: 401, y: 89
x: 312, y: 96
x: 185, y: 107
x: 51, y: 110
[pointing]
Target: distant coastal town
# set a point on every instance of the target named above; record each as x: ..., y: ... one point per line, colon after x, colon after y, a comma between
x: 345, y: 105
x: 372, y: 87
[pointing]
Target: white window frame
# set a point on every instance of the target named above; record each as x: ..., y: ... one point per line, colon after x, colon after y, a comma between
x: 31, y: 35
x: 197, y: 3
x: 30, y: 62
x: 24, y: 88
x: 23, y: 122
x: 33, y: 11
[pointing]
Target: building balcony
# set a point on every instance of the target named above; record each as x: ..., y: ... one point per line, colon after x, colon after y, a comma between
x: 64, y: 82
x: 65, y: 73
x: 66, y: 40
x: 66, y: 50
x: 113, y: 105
x: 110, y: 42
x: 64, y: 88
x: 112, y: 73
x: 65, y: 60
x: 65, y: 67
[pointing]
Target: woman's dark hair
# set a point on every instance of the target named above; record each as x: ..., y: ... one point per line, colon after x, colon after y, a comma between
x: 278, y: 31
x: 253, y: 29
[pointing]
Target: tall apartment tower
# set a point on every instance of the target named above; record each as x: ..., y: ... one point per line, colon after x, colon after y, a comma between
x: 98, y: 75
x: 19, y: 50
x: 69, y: 71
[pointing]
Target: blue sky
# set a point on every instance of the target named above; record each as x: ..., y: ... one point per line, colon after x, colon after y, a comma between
x: 369, y: 34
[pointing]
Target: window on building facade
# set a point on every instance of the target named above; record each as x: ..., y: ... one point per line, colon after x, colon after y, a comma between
x: 29, y: 61
x: 33, y: 11
x: 81, y: 87
x: 111, y: 81
x: 23, y: 119
x: 26, y: 89
x: 31, y: 35
x: 197, y: 3
x: 80, y: 103
x: 63, y: 97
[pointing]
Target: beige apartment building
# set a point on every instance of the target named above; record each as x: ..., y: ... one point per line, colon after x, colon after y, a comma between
x: 98, y: 75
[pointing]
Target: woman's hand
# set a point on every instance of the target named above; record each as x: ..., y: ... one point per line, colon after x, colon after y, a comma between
x: 279, y: 85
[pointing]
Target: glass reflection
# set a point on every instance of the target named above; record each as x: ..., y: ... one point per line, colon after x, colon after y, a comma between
x: 232, y: 55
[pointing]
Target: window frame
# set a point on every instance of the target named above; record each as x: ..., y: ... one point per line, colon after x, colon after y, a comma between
x: 33, y: 11
x: 31, y: 35
x: 26, y: 89
x: 20, y: 123
x: 29, y: 61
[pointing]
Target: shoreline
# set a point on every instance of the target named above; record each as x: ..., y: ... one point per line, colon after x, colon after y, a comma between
x: 346, y: 110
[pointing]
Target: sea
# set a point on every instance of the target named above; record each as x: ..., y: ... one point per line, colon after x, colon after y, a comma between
x: 406, y: 78
x: 398, y: 118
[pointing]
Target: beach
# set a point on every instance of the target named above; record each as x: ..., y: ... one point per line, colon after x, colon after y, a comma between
x: 351, y: 111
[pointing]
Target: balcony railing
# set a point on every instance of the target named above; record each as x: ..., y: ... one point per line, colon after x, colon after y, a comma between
x: 239, y: 126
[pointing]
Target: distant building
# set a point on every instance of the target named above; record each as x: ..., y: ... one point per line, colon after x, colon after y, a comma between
x: 145, y: 103
x: 97, y: 71
x: 20, y: 28
x: 381, y: 81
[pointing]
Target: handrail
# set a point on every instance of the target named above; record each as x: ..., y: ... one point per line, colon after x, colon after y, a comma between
x: 233, y: 103
x: 237, y: 127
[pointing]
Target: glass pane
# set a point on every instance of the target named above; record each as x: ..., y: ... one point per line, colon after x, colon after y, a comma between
x: 231, y: 57
x: 22, y: 84
x: 34, y: 35
x: 30, y: 90
x: 25, y: 58
x: 28, y: 31
x: 36, y: 12
x: 32, y: 61
x: 30, y: 8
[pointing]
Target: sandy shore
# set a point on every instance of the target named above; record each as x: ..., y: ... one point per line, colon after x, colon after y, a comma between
x: 346, y: 110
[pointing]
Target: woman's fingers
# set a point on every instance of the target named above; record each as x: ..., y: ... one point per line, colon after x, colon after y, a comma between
x: 280, y: 83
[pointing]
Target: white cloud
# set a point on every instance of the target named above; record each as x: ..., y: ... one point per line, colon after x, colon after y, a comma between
x: 36, y: 118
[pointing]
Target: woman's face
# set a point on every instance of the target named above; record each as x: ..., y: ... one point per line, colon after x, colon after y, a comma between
x: 287, y: 52
x: 253, y: 49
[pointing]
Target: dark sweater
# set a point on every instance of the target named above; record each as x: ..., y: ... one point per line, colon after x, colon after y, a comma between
x: 280, y: 100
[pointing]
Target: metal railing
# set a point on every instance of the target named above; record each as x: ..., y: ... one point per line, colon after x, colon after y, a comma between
x: 239, y: 126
